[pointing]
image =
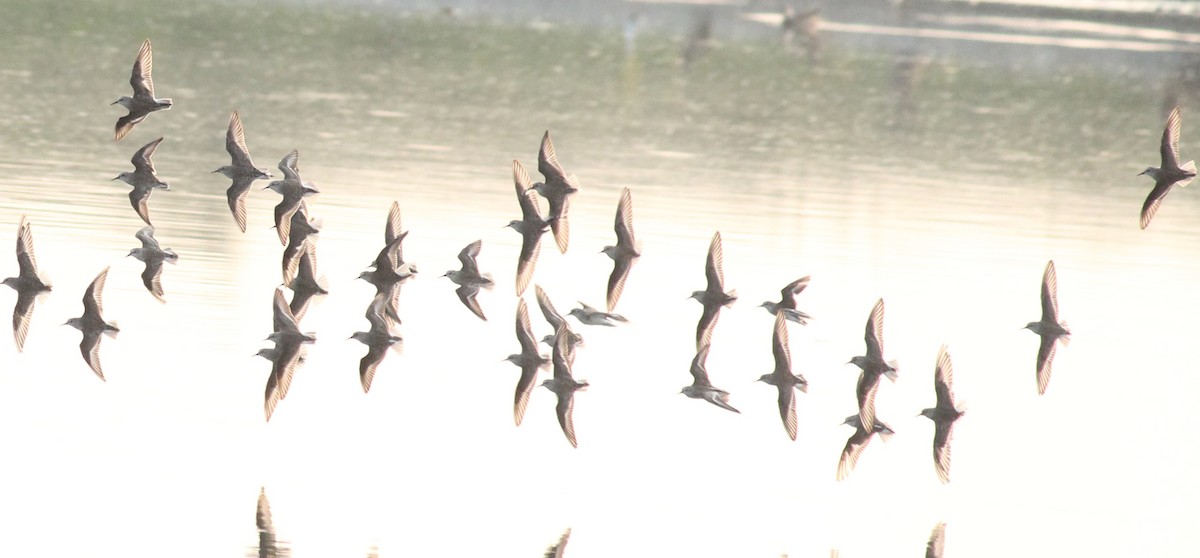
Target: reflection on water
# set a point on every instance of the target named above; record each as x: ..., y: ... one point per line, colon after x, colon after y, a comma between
x: 898, y: 165
x: 269, y: 545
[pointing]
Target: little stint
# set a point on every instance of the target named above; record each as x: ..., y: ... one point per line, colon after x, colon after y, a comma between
x: 943, y: 414
x: 714, y: 297
x: 378, y: 340
x: 563, y: 384
x: 144, y: 179
x: 241, y: 170
x: 28, y: 283
x: 702, y: 388
x: 306, y: 284
x: 390, y: 271
x: 293, y: 190
x: 469, y: 279
x: 531, y: 226
x: 1169, y: 173
x: 143, y: 102
x: 858, y: 442
x: 1049, y: 328
x: 873, y: 366
x: 555, y: 320
x: 592, y: 316
x: 787, y: 302
x: 782, y: 378
x: 625, y: 252
x: 92, y: 324
x: 153, y: 256
x: 529, y: 359
x: 557, y: 189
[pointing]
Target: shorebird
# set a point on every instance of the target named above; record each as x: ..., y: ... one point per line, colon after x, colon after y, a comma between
x: 1169, y: 173
x: 287, y: 353
x: 625, y: 252
x: 293, y: 190
x: 943, y: 414
x: 858, y: 442
x: 378, y: 340
x: 28, y: 283
x: 782, y: 378
x: 143, y: 102
x: 241, y: 170
x: 1048, y: 328
x: 143, y: 179
x: 390, y: 271
x: 555, y: 320
x: 529, y: 359
x: 559, y: 548
x: 873, y: 366
x: 531, y: 226
x: 714, y: 297
x: 592, y: 316
x: 702, y: 388
x: 469, y: 279
x: 557, y: 189
x: 92, y: 324
x: 306, y: 284
x: 787, y: 302
x: 302, y: 227
x: 937, y: 542
x: 153, y: 256
x: 563, y: 384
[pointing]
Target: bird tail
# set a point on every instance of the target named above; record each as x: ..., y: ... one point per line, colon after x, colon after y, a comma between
x: 583, y: 385
x: 732, y: 297
x: 886, y: 434
x: 491, y: 282
x: 618, y: 317
x: 111, y: 330
x: 1189, y: 166
x: 1065, y: 338
x: 170, y: 255
x: 893, y: 371
x: 801, y: 383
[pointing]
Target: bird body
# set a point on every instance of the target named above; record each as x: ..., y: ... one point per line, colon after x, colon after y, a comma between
x: 625, y: 252
x: 701, y: 387
x: 531, y: 226
x: 92, y: 323
x: 714, y: 297
x: 873, y: 366
x: 241, y: 170
x: 469, y: 279
x: 529, y: 360
x: 782, y: 378
x: 1048, y: 328
x: 144, y: 179
x: 943, y: 413
x: 556, y: 187
x: 564, y: 385
x: 28, y: 283
x: 153, y: 256
x: 1169, y: 173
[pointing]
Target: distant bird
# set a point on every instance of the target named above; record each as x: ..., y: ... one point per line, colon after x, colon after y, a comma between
x: 143, y: 102
x: 714, y: 297
x: 782, y: 378
x: 555, y: 320
x: 806, y: 25
x: 241, y: 170
x: 873, y: 366
x: 935, y: 548
x: 592, y: 316
x: 699, y: 38
x: 28, y: 283
x: 469, y: 279
x: 153, y: 256
x: 92, y: 324
x: 287, y: 353
x: 557, y: 187
x: 625, y: 252
x: 378, y: 340
x: 559, y: 548
x: 858, y: 442
x: 293, y: 190
x: 529, y: 360
x: 702, y: 388
x: 303, y: 226
x: 531, y: 226
x: 390, y: 271
x: 143, y: 179
x: 1170, y: 172
x: 787, y: 302
x: 306, y: 284
x: 563, y: 384
x: 943, y: 414
x: 1049, y: 328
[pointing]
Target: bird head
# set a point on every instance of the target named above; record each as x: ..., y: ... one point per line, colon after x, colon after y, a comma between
x: 1151, y: 172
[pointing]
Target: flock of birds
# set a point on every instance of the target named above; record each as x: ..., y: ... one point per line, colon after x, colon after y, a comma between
x: 388, y: 272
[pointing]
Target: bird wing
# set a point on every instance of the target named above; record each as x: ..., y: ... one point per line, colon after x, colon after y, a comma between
x: 780, y: 345
x: 370, y: 363
x: 92, y: 302
x: 524, y: 330
x: 90, y: 348
x: 713, y: 265
x: 26, y: 260
x: 707, y: 323
x: 146, y: 235
x: 1153, y: 202
x: 22, y: 315
x: 548, y: 161
x: 140, y: 80
x: 699, y: 374
x: 126, y: 123
x: 868, y: 384
x: 139, y: 198
x: 142, y: 158
x: 282, y: 370
x: 288, y: 165
x: 467, y: 257
x: 284, y: 319
x: 391, y: 230
x: 560, y: 225
x: 874, y: 333
x: 855, y: 445
x: 565, y: 411
x: 1045, y: 359
x: 787, y: 409
x: 527, y: 261
x: 562, y: 356
x: 236, y: 195
x: 552, y: 316
x: 789, y: 292
x: 287, y: 207
x: 1049, y: 294
x: 623, y: 224
x: 521, y: 183
x: 152, y: 278
x: 467, y: 295
x: 937, y: 542
x: 616, y: 281
x: 235, y: 143
x: 943, y: 380
x: 557, y: 550
x: 525, y: 387
x: 1169, y: 149
x: 941, y: 449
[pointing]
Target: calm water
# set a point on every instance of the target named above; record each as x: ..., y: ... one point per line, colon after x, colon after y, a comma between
x: 940, y: 184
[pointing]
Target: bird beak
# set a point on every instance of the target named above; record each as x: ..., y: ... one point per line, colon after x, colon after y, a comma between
x: 113, y: 103
x: 218, y: 170
x: 115, y: 178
